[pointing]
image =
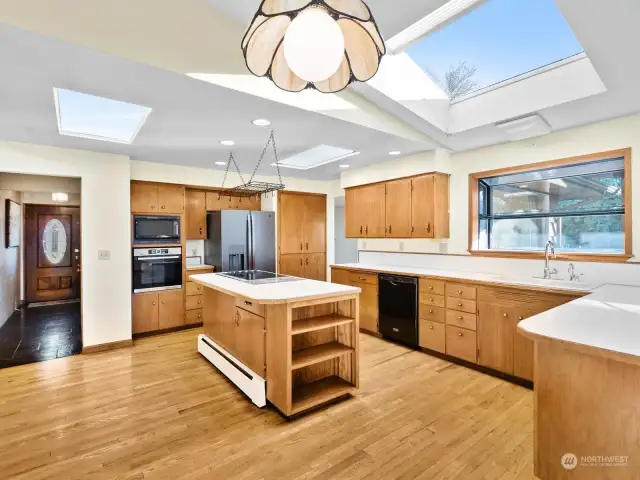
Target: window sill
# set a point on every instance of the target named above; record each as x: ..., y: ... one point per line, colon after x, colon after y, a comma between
x: 575, y: 257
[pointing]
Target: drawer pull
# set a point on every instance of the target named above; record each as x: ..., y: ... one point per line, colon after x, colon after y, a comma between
x: 506, y: 315
x: 459, y: 304
x: 430, y: 311
x: 431, y: 299
x: 430, y: 327
x: 362, y: 278
x: 248, y: 303
x: 154, y: 303
x: 460, y: 318
x: 430, y: 287
x: 460, y: 334
x: 520, y: 318
x: 199, y: 302
x: 459, y: 292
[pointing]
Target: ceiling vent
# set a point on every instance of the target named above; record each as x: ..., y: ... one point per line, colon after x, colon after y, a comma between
x: 525, y: 127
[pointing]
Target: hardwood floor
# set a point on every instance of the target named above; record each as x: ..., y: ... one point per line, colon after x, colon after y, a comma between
x: 159, y: 410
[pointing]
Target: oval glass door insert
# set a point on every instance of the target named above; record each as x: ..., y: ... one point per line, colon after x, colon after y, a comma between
x: 54, y: 241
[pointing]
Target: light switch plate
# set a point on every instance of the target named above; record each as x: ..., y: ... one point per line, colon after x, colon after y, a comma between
x: 401, y: 246
x: 104, y: 255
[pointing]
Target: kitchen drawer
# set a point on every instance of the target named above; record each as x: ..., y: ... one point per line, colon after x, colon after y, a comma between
x: 195, y: 301
x: 250, y: 306
x: 461, y: 343
x: 431, y: 299
x: 461, y: 291
x: 461, y: 319
x: 194, y: 288
x: 431, y: 286
x: 429, y: 312
x: 360, y: 277
x: 194, y: 317
x: 462, y: 305
x: 432, y: 335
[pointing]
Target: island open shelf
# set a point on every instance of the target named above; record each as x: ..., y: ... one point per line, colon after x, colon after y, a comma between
x: 294, y: 344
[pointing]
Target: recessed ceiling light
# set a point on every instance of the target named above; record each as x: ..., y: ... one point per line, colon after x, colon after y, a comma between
x: 344, y: 166
x: 227, y: 143
x: 221, y: 163
x: 261, y: 122
x: 98, y: 118
x: 395, y: 153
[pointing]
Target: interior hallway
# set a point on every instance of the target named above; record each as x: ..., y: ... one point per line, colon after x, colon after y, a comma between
x: 40, y: 333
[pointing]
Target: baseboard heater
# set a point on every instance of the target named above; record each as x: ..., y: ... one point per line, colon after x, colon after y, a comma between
x: 242, y: 376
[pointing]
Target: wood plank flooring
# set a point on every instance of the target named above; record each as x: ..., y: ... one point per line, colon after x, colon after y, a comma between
x: 159, y: 410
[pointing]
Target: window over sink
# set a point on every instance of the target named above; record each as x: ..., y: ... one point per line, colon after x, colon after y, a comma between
x: 581, y: 204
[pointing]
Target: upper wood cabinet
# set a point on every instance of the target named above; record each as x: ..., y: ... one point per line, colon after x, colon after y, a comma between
x: 398, y: 213
x: 157, y: 198
x: 415, y: 207
x: 196, y: 215
x: 302, y: 223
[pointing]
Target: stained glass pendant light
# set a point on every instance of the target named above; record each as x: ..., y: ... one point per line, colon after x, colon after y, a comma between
x: 321, y: 44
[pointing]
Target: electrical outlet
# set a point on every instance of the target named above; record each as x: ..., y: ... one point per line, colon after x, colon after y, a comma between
x: 364, y: 245
x: 104, y: 255
x: 401, y: 246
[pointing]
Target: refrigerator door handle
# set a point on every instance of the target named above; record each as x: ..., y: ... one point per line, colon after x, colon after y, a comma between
x: 249, y: 244
x: 253, y: 243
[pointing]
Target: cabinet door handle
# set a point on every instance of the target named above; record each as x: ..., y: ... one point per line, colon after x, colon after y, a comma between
x: 389, y: 228
x: 301, y: 246
x: 413, y: 229
x: 461, y: 334
x: 154, y: 304
x: 520, y: 318
x: 307, y: 260
x: 430, y: 327
x: 428, y: 227
x: 431, y: 299
x: 431, y: 311
x: 360, y: 229
x: 307, y: 245
x: 459, y: 304
x: 505, y: 315
x: 153, y: 207
x: 199, y: 302
x: 300, y: 262
x: 163, y: 207
x: 459, y: 292
x: 460, y: 318
x: 366, y: 230
x: 163, y: 302
x: 430, y: 287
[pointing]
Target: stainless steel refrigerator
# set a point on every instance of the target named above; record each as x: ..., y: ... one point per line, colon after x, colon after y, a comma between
x: 241, y: 240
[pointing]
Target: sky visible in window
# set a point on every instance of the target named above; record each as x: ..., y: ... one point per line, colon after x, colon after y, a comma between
x: 88, y: 115
x: 501, y: 39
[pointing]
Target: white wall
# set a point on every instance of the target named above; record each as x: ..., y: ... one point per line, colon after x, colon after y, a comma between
x: 9, y: 263
x: 599, y: 137
x: 106, y: 285
x: 346, y: 249
x: 39, y: 183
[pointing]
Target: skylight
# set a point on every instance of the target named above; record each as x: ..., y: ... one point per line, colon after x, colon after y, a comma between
x: 88, y: 116
x: 317, y: 156
x: 494, y: 42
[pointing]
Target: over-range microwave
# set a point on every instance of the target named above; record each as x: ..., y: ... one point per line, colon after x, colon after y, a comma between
x: 156, y: 230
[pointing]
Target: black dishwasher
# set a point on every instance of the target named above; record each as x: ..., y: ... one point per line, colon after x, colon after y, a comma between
x: 398, y: 308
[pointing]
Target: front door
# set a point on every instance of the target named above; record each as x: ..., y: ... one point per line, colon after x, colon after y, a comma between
x: 52, y: 253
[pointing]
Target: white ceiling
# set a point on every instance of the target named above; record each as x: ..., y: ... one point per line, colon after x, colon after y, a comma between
x: 189, y: 117
x: 203, y: 36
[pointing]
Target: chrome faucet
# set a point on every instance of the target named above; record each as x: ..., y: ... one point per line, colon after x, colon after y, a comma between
x: 549, y: 248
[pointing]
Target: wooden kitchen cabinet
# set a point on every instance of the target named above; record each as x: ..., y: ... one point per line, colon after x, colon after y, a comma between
x: 157, y: 311
x: 250, y: 345
x: 522, y: 348
x: 196, y: 215
x: 398, y: 209
x: 157, y: 198
x: 145, y: 312
x: 171, y: 309
x: 315, y: 223
x: 291, y: 237
x: 496, y: 331
x: 340, y: 276
x: 413, y: 207
x: 311, y: 266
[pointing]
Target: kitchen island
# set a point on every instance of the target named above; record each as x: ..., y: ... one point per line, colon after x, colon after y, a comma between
x: 587, y: 386
x: 292, y: 342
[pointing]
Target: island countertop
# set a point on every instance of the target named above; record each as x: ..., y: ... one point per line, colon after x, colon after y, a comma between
x: 604, y: 323
x: 274, y: 293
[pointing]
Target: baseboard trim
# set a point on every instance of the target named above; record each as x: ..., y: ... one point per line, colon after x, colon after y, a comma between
x: 103, y: 347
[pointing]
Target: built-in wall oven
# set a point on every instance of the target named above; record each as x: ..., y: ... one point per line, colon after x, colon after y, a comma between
x: 153, y: 230
x: 157, y: 269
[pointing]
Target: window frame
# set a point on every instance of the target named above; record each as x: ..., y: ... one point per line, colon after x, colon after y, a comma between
x: 474, y: 217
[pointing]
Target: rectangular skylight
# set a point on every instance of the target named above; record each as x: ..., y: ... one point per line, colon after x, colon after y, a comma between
x: 88, y: 116
x: 494, y: 42
x: 317, y: 156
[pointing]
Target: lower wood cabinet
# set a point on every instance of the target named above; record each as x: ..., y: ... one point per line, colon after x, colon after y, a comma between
x: 432, y: 335
x: 461, y: 343
x: 368, y: 283
x: 312, y: 266
x: 496, y: 333
x: 250, y: 346
x: 158, y: 311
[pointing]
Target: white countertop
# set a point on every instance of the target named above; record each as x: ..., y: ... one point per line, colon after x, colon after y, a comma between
x: 199, y: 267
x: 284, y: 292
x: 476, y: 276
x: 607, y: 320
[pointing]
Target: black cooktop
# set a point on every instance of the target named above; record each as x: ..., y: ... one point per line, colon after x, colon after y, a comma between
x: 258, y: 276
